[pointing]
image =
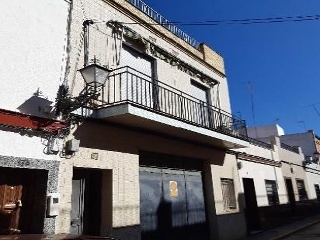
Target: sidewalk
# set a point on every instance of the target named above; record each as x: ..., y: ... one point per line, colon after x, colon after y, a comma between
x: 284, y: 231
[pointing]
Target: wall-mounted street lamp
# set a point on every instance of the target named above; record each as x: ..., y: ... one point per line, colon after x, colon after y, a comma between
x: 95, y: 77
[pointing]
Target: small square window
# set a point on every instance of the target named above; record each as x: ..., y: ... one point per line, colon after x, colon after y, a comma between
x: 228, y: 194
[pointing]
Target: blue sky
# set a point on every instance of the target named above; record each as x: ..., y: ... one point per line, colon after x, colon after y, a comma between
x: 280, y: 60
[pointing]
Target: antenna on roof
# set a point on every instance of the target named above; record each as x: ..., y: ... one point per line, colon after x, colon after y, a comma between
x: 313, y: 105
x: 250, y: 90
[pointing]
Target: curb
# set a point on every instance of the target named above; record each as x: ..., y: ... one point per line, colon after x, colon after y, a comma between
x: 282, y: 236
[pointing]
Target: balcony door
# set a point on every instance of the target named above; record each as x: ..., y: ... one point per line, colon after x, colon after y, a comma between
x: 200, y: 104
x: 136, y: 84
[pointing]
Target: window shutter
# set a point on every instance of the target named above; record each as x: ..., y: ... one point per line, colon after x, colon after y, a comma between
x: 136, y: 86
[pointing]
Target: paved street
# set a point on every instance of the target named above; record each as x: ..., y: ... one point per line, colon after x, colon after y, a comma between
x: 312, y: 232
x: 310, y: 224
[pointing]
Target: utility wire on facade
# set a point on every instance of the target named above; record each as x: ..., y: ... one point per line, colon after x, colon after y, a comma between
x: 299, y: 18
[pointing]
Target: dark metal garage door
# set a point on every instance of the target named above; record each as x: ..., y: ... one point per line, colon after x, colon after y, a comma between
x: 172, y: 204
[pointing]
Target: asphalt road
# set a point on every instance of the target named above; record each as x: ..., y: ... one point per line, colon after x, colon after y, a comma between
x: 310, y: 233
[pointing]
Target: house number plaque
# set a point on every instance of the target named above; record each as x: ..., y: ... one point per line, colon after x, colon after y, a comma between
x: 94, y: 156
x: 173, y: 188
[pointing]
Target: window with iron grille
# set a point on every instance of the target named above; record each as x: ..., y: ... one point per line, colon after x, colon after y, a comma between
x: 272, y: 192
x: 228, y: 194
x: 301, y: 190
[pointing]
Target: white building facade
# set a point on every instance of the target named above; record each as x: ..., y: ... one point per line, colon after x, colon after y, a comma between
x: 33, y: 43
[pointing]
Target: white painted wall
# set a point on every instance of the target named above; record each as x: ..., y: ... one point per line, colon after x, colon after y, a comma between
x: 313, y: 177
x: 265, y: 131
x: 258, y: 151
x: 14, y: 144
x: 32, y: 56
x: 261, y: 172
x: 309, y: 145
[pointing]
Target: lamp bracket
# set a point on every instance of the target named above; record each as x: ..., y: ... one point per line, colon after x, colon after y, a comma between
x: 65, y: 104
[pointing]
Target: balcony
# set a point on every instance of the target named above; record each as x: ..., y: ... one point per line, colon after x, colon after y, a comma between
x: 134, y: 99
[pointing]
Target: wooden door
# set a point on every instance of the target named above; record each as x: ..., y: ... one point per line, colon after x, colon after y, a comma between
x: 10, y: 204
x: 86, y: 202
x: 77, y: 206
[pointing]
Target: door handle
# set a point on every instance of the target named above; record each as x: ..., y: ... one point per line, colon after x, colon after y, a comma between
x: 19, y: 203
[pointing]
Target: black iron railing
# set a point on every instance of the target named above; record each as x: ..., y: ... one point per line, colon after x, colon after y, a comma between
x: 164, y: 22
x: 126, y: 85
x: 289, y: 148
x: 259, y: 143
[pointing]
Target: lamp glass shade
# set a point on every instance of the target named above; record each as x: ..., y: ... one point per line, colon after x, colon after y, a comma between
x: 95, y: 75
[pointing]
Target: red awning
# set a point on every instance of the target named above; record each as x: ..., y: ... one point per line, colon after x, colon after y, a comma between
x: 20, y: 120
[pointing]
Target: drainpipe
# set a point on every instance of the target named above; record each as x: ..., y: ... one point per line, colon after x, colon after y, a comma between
x: 275, y: 141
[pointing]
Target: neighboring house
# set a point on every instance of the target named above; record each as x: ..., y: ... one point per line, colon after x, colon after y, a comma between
x: 32, y: 59
x: 262, y: 184
x: 294, y: 172
x: 310, y: 145
x: 307, y: 186
x: 299, y: 159
x: 275, y: 181
x: 154, y: 159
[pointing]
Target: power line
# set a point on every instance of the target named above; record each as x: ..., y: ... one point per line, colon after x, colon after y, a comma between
x: 299, y: 18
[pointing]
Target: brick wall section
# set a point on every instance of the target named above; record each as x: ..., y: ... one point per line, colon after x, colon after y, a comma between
x: 125, y: 187
x: 212, y: 58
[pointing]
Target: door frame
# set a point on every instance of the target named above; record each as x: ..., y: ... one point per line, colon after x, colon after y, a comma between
x: 251, y: 206
x: 91, y: 215
x: 290, y: 192
x: 33, y: 197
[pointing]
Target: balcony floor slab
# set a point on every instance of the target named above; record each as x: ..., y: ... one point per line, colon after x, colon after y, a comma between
x: 135, y: 116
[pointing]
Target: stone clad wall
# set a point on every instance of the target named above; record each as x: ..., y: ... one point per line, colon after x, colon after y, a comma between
x: 125, y: 187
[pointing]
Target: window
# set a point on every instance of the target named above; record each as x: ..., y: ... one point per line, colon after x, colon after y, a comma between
x: 136, y: 81
x: 199, y: 91
x: 228, y: 194
x: 301, y: 190
x: 272, y: 192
